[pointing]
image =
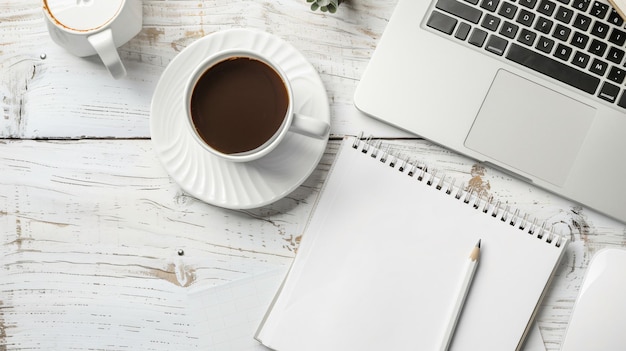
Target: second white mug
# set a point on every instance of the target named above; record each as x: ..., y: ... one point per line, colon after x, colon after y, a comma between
x: 89, y: 27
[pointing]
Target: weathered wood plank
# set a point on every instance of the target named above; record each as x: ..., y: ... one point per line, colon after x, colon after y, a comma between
x: 90, y: 240
x: 63, y: 96
x: 91, y: 232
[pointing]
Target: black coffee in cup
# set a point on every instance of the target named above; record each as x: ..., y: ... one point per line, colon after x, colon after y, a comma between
x: 238, y: 104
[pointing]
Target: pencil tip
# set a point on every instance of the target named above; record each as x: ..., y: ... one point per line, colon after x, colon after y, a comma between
x: 478, y: 243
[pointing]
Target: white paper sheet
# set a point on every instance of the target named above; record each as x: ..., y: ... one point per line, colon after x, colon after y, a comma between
x: 227, y: 316
x: 534, y: 341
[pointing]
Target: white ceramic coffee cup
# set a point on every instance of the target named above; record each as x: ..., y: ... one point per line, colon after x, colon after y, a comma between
x: 89, y: 27
x: 292, y: 122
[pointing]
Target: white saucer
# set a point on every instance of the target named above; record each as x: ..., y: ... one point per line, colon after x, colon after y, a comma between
x: 231, y: 184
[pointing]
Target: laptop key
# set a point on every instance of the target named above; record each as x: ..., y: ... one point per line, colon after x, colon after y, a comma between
x: 545, y: 44
x: 460, y: 9
x: 617, y: 37
x: 599, y: 9
x: 527, y: 37
x: 490, y: 22
x: 561, y: 32
x: 547, y: 7
x: 581, y: 59
x: 582, y: 22
x: 609, y: 92
x: 528, y: 3
x: 525, y: 17
x: 564, y: 14
x: 463, y: 31
x: 441, y: 22
x: 580, y: 40
x: 477, y: 37
x: 615, y: 18
x: 615, y: 55
x: 581, y: 5
x: 617, y: 75
x: 507, y: 10
x: 552, y: 68
x: 598, y: 67
x: 600, y: 30
x: 597, y: 48
x: 490, y: 5
x: 543, y: 25
x: 563, y: 52
x: 496, y: 45
x: 622, y: 101
x: 509, y: 30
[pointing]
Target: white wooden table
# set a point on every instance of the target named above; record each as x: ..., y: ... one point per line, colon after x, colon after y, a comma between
x: 91, y: 225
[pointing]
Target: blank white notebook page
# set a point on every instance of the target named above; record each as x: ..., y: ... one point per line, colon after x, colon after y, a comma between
x: 226, y: 316
x: 380, y: 263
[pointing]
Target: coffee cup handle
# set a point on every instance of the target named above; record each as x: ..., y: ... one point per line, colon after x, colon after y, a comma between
x: 104, y: 45
x: 309, y: 126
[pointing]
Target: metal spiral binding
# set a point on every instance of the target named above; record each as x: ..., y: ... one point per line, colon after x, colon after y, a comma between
x: 470, y: 196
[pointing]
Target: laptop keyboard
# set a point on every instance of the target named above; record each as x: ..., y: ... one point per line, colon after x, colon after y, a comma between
x: 577, y: 42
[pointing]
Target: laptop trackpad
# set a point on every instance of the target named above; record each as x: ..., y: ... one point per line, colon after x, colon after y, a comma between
x: 530, y: 128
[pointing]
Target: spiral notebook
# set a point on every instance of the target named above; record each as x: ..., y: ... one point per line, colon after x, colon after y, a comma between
x: 381, y: 258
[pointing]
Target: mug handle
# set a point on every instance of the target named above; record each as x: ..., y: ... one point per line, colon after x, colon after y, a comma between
x: 103, y: 43
x: 309, y: 126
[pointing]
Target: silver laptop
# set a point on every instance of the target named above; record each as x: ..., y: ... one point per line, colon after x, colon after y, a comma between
x: 533, y: 87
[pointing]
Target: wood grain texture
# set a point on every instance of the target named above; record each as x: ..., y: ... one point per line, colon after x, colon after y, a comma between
x: 90, y: 237
x: 90, y: 229
x: 91, y: 232
x: 64, y: 96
